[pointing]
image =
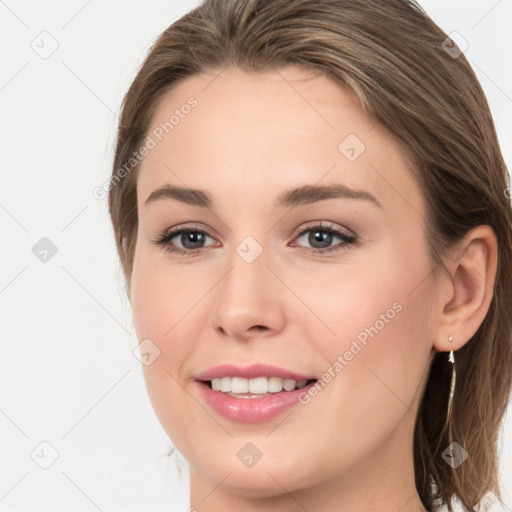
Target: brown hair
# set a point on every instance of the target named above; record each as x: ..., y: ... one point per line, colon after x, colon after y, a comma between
x: 393, y: 57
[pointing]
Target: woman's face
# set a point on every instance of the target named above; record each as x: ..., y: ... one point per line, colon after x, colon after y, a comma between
x: 252, y: 289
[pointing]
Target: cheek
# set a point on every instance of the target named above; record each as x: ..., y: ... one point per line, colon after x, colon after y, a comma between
x: 374, y: 309
x: 161, y: 306
x: 162, y: 297
x: 381, y: 344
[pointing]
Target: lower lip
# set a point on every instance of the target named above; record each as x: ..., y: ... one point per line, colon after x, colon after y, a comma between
x: 252, y: 410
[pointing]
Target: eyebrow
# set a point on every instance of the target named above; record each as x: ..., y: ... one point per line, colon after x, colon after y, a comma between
x: 306, y: 194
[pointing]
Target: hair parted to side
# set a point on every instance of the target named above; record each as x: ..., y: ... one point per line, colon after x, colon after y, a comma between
x: 389, y: 54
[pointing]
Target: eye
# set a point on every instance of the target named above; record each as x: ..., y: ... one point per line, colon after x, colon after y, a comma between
x: 322, y: 236
x: 191, y: 239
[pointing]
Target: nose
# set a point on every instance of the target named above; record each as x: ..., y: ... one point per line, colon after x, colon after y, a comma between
x: 249, y: 300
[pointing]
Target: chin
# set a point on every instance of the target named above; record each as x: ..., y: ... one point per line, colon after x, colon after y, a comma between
x: 252, y: 483
x: 265, y: 479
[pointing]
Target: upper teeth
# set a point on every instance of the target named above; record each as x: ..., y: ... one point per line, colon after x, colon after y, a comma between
x: 257, y: 386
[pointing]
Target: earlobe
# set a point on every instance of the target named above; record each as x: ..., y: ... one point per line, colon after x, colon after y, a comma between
x: 469, y: 290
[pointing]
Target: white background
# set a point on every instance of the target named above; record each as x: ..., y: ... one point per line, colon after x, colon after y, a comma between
x: 67, y: 373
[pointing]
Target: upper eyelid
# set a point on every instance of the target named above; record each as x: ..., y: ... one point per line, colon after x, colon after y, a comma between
x: 327, y: 225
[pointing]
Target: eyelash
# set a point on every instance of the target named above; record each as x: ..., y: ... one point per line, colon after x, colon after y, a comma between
x: 164, y: 239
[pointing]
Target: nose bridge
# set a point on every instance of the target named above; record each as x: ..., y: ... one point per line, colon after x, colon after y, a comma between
x: 249, y: 295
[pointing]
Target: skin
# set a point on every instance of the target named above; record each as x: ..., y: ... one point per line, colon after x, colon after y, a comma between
x: 250, y: 138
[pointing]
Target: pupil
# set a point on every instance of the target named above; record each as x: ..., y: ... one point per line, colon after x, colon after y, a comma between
x: 320, y: 236
x: 193, y: 237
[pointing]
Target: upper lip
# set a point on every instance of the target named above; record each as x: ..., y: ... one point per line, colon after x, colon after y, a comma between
x: 250, y: 372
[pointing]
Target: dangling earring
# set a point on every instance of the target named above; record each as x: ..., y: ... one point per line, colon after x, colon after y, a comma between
x: 451, y: 359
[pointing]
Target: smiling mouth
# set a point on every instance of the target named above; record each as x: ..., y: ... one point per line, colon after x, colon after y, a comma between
x: 259, y: 387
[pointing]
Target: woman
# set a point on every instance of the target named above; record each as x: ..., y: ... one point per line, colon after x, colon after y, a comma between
x: 311, y: 209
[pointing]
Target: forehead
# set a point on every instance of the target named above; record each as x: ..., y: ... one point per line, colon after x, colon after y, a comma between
x: 237, y: 134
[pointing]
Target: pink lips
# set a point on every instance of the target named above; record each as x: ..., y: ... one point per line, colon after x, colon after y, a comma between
x: 251, y: 410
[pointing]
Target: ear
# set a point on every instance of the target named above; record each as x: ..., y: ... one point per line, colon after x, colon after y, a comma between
x: 467, y: 291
